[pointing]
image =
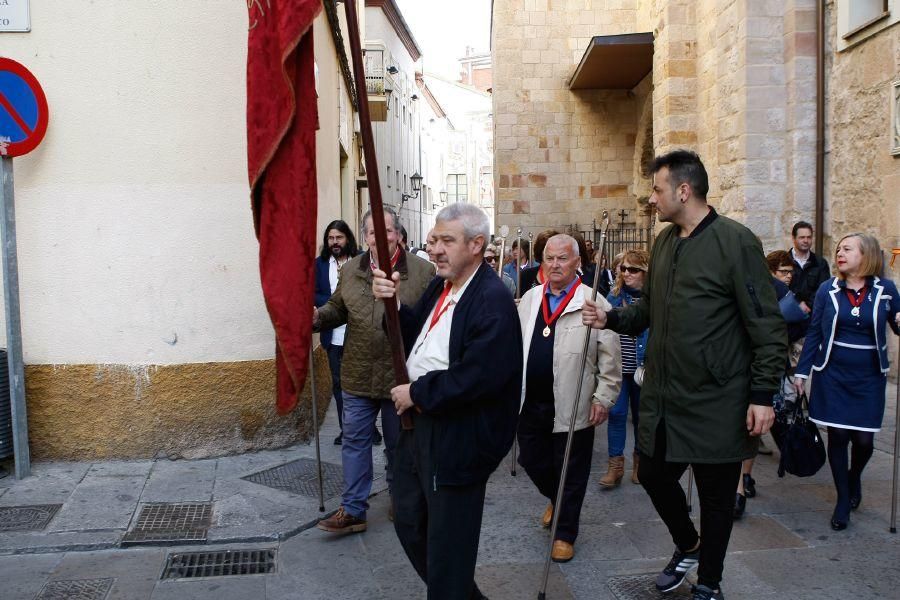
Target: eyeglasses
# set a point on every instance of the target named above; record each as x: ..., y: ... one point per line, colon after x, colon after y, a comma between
x: 785, y: 271
x: 490, y: 259
x: 632, y: 270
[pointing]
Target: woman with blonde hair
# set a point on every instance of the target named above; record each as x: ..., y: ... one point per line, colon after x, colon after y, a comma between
x: 846, y: 348
x: 631, y: 270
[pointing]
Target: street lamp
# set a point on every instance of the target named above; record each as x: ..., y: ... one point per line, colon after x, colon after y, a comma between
x: 416, y: 181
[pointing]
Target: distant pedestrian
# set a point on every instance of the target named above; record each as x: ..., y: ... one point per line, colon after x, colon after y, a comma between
x: 520, y: 259
x: 465, y: 364
x: 338, y: 247
x: 627, y: 290
x: 553, y: 338
x: 492, y: 259
x: 714, y: 360
x: 809, y: 270
x: 367, y: 373
x: 846, y: 347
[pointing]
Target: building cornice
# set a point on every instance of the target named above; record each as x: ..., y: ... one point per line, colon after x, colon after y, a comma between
x: 395, y: 18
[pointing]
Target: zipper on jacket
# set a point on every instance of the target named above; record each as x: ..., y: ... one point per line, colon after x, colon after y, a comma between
x: 752, y: 291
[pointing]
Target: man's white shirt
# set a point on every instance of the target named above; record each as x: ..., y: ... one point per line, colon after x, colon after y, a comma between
x: 431, y: 352
x: 337, y: 334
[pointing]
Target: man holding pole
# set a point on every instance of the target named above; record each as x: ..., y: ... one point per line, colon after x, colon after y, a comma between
x: 552, y: 332
x: 713, y: 364
x: 465, y: 365
x: 367, y: 374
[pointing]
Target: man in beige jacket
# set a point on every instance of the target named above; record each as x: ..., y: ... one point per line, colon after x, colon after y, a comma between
x: 553, y: 338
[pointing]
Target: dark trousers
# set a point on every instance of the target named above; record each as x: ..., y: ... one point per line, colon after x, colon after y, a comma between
x: 541, y: 454
x: 715, y: 489
x: 335, y: 356
x: 438, y: 526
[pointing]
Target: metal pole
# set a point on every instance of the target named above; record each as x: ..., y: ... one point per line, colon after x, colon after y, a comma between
x: 13, y: 321
x: 542, y: 594
x: 690, y: 494
x: 893, y: 528
x: 512, y: 462
x: 315, y: 413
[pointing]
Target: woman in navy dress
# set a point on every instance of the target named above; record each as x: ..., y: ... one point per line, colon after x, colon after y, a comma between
x: 846, y: 347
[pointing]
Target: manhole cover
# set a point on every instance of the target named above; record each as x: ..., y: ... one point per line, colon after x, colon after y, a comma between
x: 170, y: 523
x: 27, y: 518
x: 300, y: 477
x: 76, y: 589
x: 643, y: 587
x: 219, y: 564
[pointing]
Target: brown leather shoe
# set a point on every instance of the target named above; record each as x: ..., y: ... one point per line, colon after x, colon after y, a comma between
x: 562, y: 551
x: 635, y: 463
x: 342, y: 522
x: 547, y: 517
x: 614, y: 473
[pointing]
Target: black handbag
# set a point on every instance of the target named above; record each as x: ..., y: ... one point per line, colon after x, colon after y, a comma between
x: 802, y: 447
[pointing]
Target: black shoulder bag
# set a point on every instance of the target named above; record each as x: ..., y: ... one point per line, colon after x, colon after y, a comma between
x: 802, y: 448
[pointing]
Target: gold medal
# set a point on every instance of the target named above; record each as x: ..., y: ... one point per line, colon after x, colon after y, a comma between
x: 546, y: 332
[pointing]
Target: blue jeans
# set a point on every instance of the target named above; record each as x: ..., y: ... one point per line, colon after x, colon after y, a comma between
x: 618, y: 415
x: 356, y: 451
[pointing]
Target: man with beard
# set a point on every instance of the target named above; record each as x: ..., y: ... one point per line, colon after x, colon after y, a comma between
x: 338, y: 247
x: 714, y: 360
x: 367, y: 373
x: 465, y: 364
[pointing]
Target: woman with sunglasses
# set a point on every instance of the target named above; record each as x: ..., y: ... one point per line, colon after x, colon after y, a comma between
x: 493, y: 260
x: 629, y: 282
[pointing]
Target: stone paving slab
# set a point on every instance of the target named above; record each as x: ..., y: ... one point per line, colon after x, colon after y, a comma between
x: 180, y: 481
x: 136, y: 572
x: 100, y: 503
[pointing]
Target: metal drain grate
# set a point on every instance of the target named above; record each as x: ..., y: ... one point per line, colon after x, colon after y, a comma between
x: 76, y: 589
x: 300, y: 477
x: 643, y: 587
x: 160, y: 522
x: 27, y: 518
x: 219, y: 564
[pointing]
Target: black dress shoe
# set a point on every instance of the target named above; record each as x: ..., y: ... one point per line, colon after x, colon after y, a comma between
x: 740, y: 504
x: 378, y: 438
x: 339, y: 440
x: 749, y: 486
x: 837, y: 524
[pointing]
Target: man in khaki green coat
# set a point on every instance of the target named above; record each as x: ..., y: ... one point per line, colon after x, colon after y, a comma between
x: 713, y: 363
x: 367, y: 374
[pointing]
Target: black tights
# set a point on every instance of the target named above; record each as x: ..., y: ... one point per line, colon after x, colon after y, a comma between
x: 848, y: 478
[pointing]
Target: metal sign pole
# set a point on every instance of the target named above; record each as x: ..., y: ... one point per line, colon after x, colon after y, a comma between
x: 13, y: 322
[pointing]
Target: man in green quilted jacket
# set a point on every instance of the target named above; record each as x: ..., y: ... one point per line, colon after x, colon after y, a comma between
x: 713, y: 363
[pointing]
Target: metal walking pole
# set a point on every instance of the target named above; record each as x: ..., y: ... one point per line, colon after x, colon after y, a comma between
x: 690, y: 494
x: 542, y: 594
x: 512, y: 462
x: 893, y: 528
x: 315, y: 413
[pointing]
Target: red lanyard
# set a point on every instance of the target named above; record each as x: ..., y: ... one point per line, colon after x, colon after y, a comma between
x: 440, y: 308
x: 545, y: 304
x: 394, y: 259
x: 854, y: 300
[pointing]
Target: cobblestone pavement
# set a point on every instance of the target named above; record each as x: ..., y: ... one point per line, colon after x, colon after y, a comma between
x: 783, y: 548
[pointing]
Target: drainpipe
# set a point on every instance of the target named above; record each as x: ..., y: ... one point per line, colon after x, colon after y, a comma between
x: 820, y: 126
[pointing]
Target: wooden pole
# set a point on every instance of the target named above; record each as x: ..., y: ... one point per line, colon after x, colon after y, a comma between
x: 398, y: 355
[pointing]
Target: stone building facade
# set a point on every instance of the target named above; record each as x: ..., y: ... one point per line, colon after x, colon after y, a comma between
x: 734, y: 80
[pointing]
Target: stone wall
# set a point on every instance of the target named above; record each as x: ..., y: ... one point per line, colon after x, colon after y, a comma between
x: 560, y: 156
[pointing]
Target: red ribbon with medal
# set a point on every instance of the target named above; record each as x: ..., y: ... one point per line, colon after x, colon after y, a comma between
x: 545, y: 307
x: 856, y: 301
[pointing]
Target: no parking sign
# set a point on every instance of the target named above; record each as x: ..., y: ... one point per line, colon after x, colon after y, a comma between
x: 23, y: 109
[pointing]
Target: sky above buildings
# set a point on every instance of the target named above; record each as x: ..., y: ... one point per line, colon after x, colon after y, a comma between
x: 444, y: 29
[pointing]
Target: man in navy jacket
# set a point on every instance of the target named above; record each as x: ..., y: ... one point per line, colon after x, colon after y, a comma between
x: 465, y: 362
x: 338, y: 247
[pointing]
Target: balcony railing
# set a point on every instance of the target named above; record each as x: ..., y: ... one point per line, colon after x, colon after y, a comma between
x: 375, y: 71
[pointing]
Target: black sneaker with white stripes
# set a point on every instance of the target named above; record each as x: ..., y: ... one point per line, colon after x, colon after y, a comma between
x: 677, y: 569
x: 701, y: 592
